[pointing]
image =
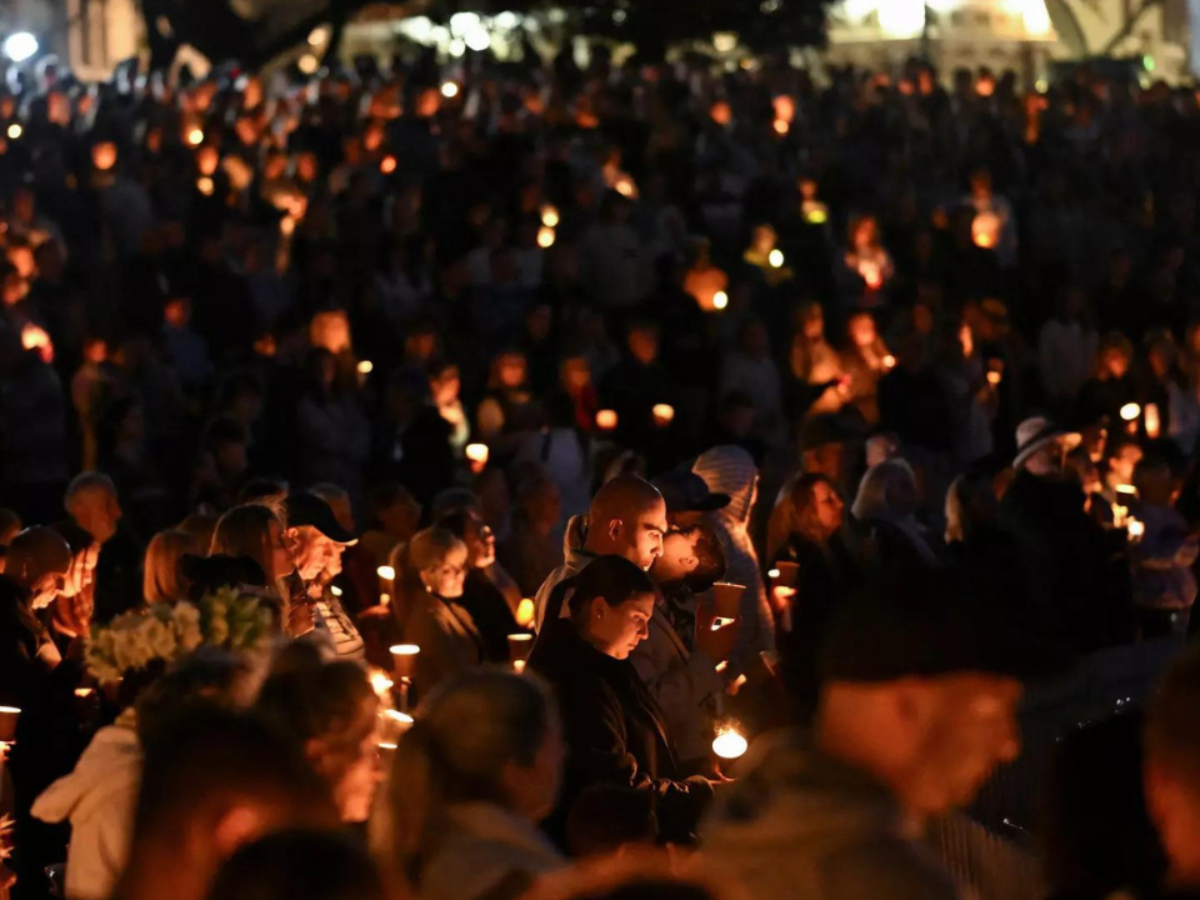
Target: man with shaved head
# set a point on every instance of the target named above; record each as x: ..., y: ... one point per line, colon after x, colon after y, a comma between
x: 628, y: 518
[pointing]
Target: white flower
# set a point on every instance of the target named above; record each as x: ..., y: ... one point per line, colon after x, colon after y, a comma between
x: 187, y: 626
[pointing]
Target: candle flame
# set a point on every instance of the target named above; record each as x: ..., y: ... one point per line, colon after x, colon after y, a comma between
x: 730, y: 744
x: 1130, y: 412
x: 387, y: 573
x: 720, y: 300
x: 526, y: 612
x: 550, y: 216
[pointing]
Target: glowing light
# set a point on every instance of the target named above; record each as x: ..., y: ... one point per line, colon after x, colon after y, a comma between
x: 1153, y: 422
x: 397, y: 716
x: 205, y: 186
x: 404, y: 649
x: 545, y: 237
x: 775, y: 258
x: 902, y: 18
x: 1127, y: 489
x: 15, y: 131
x: 1136, y: 528
x: 387, y: 573
x: 477, y: 453
x: 720, y: 300
x: 550, y: 216
x: 985, y: 230
x: 335, y: 590
x: 606, y: 419
x: 84, y: 692
x: 457, y: 47
x: 781, y: 127
x: 664, y: 414
x: 366, y: 367
x: 526, y: 612
x: 195, y: 137
x: 449, y: 90
x: 889, y: 361
x: 478, y: 39
x: 387, y: 746
x: 20, y: 46
x: 729, y: 744
x: 380, y: 683
x: 387, y: 165
x: 1130, y: 412
x: 724, y: 41
x: 1034, y: 14
x: 773, y: 574
x: 318, y: 35
x: 625, y: 187
x: 993, y: 378
x: 308, y: 64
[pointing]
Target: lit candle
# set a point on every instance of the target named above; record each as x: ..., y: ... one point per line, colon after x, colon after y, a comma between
x: 526, y: 613
x: 205, y: 186
x: 478, y: 454
x: 606, y: 420
x: 1152, y: 421
x: 195, y: 137
x: 729, y: 743
x: 720, y: 300
x: 1130, y: 412
x: 387, y: 165
x: 550, y: 216
x: 663, y: 414
x: 449, y: 90
x: 387, y: 573
x: 815, y: 212
x: 545, y: 237
x: 781, y: 127
x: 335, y: 590
x: 993, y: 378
x: 381, y: 684
x: 15, y: 131
x: 625, y: 187
x: 889, y: 362
x: 985, y: 230
x: 1136, y: 528
x: 519, y: 648
x: 775, y: 258
x: 84, y: 692
x: 366, y: 367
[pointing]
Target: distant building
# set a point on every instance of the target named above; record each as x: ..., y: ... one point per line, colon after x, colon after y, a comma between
x: 1022, y: 35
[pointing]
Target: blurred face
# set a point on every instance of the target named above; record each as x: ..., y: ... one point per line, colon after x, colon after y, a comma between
x: 97, y: 512
x: 1116, y: 363
x: 22, y: 259
x: 104, y: 156
x: 81, y: 574
x: 178, y: 313
x: 282, y: 561
x: 43, y: 591
x: 617, y: 630
x: 828, y: 508
x: 312, y: 551
x: 1121, y: 466
x: 862, y: 331
x: 446, y: 386
x: 532, y: 791
x: 349, y: 761
x: 679, y: 557
x: 814, y: 323
x: 446, y: 579
x: 643, y: 345
x: 511, y: 370
x: 576, y: 373
x: 481, y: 543
x: 971, y: 729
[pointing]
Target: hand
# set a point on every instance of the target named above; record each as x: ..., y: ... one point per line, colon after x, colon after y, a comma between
x: 718, y: 644
x: 781, y: 598
x: 300, y: 619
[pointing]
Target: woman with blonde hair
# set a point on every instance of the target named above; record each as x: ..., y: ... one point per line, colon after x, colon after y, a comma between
x: 161, y: 579
x: 256, y: 533
x: 431, y: 577
x: 472, y: 777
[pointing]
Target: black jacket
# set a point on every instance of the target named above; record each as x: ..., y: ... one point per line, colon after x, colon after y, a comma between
x: 614, y: 733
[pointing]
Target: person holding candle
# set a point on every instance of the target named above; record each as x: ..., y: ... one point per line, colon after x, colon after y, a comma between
x: 1164, y: 586
x: 611, y: 721
x: 255, y: 533
x: 471, y: 780
x: 432, y: 573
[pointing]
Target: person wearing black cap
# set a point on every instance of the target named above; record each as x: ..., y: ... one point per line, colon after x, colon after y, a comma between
x: 920, y: 686
x: 317, y: 541
x: 678, y: 661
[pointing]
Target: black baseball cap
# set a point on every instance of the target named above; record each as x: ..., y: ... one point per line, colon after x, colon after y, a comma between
x: 686, y: 491
x: 925, y: 623
x: 304, y: 508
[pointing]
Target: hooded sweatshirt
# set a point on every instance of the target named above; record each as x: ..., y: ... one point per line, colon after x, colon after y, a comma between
x: 575, y: 560
x: 731, y: 470
x: 98, y: 799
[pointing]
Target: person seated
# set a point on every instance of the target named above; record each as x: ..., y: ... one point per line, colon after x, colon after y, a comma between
x: 299, y: 864
x: 611, y: 721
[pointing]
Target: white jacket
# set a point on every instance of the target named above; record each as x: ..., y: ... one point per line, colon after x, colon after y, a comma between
x: 98, y: 799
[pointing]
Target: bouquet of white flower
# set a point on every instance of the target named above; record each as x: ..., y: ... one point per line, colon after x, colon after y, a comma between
x: 164, y: 633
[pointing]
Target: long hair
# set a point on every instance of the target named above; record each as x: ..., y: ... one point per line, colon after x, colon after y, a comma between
x: 246, y: 531
x: 466, y: 732
x: 426, y: 550
x: 161, y: 580
x: 795, y: 513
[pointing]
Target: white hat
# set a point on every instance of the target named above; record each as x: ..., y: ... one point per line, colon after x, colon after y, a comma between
x: 1035, y: 433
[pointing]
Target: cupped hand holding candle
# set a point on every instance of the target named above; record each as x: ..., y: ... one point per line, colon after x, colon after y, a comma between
x: 477, y: 455
x: 730, y: 744
x: 404, y: 660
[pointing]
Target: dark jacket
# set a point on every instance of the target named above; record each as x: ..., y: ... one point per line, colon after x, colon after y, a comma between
x: 1074, y: 570
x: 614, y: 733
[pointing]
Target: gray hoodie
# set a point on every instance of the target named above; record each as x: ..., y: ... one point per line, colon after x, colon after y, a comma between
x: 799, y: 824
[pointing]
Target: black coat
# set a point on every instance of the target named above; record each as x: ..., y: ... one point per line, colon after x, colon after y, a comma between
x: 614, y: 733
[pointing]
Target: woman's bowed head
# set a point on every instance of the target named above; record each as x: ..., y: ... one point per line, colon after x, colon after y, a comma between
x: 612, y: 606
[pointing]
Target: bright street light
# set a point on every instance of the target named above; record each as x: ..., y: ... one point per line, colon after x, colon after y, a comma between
x: 19, y: 46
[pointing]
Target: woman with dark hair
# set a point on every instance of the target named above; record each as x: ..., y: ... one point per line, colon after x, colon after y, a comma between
x: 611, y: 721
x: 471, y: 779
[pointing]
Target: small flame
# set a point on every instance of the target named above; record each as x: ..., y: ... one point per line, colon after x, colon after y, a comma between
x: 730, y: 744
x: 1130, y: 412
x: 387, y: 573
x: 550, y: 216
x: 775, y: 258
x: 526, y: 612
x: 366, y: 367
x: 720, y: 300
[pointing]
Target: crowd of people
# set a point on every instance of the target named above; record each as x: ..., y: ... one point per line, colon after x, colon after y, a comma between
x: 427, y: 480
